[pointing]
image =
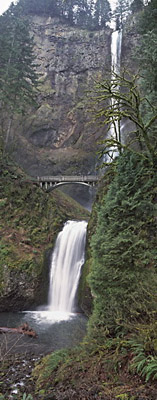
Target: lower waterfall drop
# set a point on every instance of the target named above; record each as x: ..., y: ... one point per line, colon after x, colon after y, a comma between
x: 67, y: 260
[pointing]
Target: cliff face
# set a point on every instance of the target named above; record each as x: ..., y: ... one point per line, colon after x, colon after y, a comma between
x: 30, y: 221
x: 57, y: 137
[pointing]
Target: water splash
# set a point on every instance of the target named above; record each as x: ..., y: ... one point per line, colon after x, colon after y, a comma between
x: 67, y: 260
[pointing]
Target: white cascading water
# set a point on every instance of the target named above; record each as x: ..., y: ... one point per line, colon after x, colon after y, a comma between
x: 116, y: 43
x: 67, y: 260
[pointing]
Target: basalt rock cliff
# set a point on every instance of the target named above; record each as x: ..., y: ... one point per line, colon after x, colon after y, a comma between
x: 57, y: 137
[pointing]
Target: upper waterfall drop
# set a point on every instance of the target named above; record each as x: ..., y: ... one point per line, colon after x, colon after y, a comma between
x: 116, y: 44
x: 67, y: 260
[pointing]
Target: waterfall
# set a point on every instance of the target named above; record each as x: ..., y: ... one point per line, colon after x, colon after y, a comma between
x: 67, y: 260
x: 116, y: 42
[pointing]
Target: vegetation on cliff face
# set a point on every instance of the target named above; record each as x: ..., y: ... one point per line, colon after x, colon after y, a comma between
x: 118, y: 359
x: 30, y: 221
x: 59, y: 139
x: 90, y: 14
x: 116, y: 101
x: 123, y: 249
x: 18, y: 78
x: 120, y: 347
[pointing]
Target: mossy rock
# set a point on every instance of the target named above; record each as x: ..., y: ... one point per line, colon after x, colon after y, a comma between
x: 30, y: 222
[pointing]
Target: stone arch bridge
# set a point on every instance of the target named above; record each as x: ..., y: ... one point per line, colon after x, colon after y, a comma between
x: 51, y: 182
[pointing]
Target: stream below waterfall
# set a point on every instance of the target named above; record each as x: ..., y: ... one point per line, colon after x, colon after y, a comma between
x: 52, y: 335
x: 57, y: 324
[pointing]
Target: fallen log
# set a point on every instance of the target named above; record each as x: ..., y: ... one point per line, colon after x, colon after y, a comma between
x: 23, y: 329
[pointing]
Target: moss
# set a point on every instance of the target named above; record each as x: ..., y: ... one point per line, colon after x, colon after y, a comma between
x: 93, y: 370
x: 30, y: 222
x: 45, y: 87
x: 84, y: 293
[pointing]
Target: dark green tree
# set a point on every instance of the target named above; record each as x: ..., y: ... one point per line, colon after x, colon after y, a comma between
x: 146, y: 54
x: 76, y: 12
x: 121, y: 12
x: 136, y: 6
x: 83, y: 16
x: 17, y: 70
x: 41, y: 7
x: 123, y: 278
x: 147, y: 50
x: 102, y: 13
x: 147, y: 19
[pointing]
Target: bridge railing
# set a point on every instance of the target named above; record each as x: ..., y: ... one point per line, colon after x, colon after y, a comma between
x: 54, y: 181
x: 72, y: 178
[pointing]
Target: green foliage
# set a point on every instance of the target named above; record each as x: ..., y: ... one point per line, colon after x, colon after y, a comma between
x: 17, y: 73
x: 123, y: 249
x: 147, y: 19
x: 144, y: 350
x: 146, y: 51
x: 30, y: 221
x: 18, y: 78
x: 118, y: 99
x: 49, y: 364
x: 124, y: 396
x: 76, y: 12
x: 121, y: 12
x: 27, y: 397
x: 136, y: 6
x: 102, y: 13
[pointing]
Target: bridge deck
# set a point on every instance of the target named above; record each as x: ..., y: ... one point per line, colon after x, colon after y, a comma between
x: 72, y: 178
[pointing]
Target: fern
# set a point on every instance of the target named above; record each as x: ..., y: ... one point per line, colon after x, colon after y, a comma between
x: 150, y: 369
x: 27, y: 397
x: 143, y: 364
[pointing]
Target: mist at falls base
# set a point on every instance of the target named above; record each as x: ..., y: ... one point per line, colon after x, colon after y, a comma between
x: 58, y: 324
x: 66, y: 264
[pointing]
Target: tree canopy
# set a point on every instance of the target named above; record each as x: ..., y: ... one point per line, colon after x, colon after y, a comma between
x: 17, y: 69
x: 123, y: 278
x: 147, y: 49
x: 83, y: 13
x: 116, y: 99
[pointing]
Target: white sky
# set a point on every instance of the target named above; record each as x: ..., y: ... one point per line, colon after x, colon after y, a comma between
x: 4, y: 4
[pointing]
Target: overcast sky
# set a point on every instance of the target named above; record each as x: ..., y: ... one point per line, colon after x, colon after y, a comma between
x: 4, y: 4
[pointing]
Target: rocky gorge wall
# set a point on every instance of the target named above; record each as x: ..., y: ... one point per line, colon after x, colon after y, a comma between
x: 57, y: 137
x: 30, y: 221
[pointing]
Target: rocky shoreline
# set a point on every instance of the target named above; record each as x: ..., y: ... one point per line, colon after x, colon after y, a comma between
x: 15, y: 372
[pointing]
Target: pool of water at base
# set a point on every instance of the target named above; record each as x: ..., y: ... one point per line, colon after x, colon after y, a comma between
x: 55, y: 330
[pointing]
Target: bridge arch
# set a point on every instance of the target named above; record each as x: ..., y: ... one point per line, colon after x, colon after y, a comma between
x: 55, y: 186
x: 52, y: 182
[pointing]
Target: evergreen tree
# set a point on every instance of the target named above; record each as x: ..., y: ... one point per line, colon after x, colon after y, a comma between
x: 121, y: 12
x: 136, y: 6
x: 147, y: 51
x: 147, y: 19
x: 83, y: 15
x: 146, y: 54
x: 123, y: 279
x: 17, y: 73
x: 102, y: 13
